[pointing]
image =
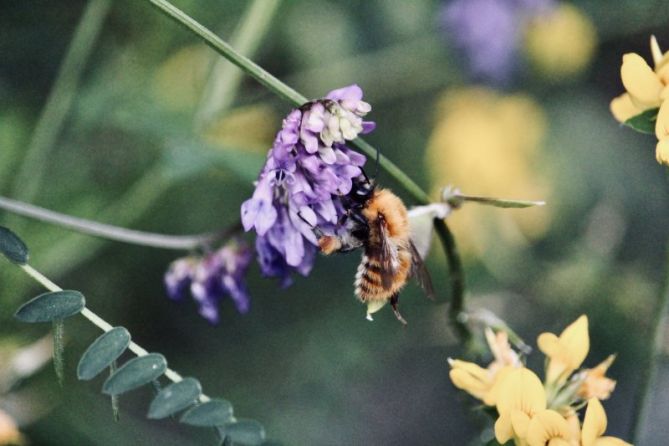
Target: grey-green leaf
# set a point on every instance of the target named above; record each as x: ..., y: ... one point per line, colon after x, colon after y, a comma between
x: 103, y: 352
x: 174, y: 398
x: 644, y: 122
x: 246, y: 432
x: 211, y: 413
x: 12, y: 247
x: 135, y: 373
x: 51, y: 306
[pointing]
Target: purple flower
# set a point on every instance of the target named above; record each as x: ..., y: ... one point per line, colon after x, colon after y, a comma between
x: 211, y: 278
x: 307, y: 170
x: 488, y: 33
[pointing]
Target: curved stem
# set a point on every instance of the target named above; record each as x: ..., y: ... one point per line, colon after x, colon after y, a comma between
x: 181, y: 242
x: 457, y: 276
x: 295, y: 98
x: 101, y: 323
x: 649, y: 366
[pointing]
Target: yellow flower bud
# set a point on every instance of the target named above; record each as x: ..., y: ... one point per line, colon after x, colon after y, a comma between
x: 567, y: 352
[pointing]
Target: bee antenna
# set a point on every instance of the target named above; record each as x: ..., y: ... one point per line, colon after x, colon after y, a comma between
x: 318, y: 231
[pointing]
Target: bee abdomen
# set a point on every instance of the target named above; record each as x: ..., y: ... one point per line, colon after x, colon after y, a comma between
x: 368, y: 281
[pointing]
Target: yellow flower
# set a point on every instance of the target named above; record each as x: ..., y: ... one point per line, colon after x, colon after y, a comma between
x: 521, y: 396
x: 567, y: 352
x: 595, y: 384
x: 646, y: 87
x: 594, y: 426
x: 561, y: 42
x: 9, y: 432
x: 486, y: 143
x: 484, y: 383
x: 549, y: 428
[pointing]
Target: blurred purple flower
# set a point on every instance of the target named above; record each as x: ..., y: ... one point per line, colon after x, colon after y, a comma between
x: 211, y: 278
x: 488, y: 33
x: 307, y: 170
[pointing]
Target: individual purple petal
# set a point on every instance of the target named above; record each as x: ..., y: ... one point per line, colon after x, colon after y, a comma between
x: 368, y: 127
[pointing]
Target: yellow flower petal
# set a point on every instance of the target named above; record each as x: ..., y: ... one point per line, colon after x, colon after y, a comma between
x: 567, y: 352
x: 490, y: 399
x: 521, y: 389
x: 595, y: 383
x: 662, y: 123
x: 594, y: 423
x: 520, y: 422
x: 547, y: 427
x: 548, y: 344
x: 623, y: 108
x: 662, y: 151
x: 655, y: 51
x: 576, y: 341
x: 640, y: 81
x: 503, y: 429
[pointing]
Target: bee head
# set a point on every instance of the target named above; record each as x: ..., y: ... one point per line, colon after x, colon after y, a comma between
x: 362, y: 190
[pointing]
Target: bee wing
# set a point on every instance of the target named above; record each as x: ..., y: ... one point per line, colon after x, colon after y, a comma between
x: 388, y: 255
x: 420, y: 272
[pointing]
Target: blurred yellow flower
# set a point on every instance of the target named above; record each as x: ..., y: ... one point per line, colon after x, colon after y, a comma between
x: 484, y: 383
x: 561, y: 43
x: 250, y: 128
x: 179, y: 80
x: 646, y: 87
x: 567, y: 352
x: 595, y: 384
x: 9, y: 432
x: 489, y: 144
x: 521, y: 396
x: 594, y: 425
x: 548, y: 427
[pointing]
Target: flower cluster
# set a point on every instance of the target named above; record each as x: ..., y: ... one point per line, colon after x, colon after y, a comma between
x: 534, y: 413
x: 212, y: 277
x: 646, y: 89
x: 489, y: 32
x: 307, y: 170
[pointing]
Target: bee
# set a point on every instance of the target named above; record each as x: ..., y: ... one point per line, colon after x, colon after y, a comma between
x: 377, y: 221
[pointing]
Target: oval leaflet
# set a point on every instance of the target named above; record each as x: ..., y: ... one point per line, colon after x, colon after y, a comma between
x: 175, y: 397
x: 211, y: 413
x: 135, y: 373
x: 52, y: 306
x: 102, y: 352
x: 12, y: 247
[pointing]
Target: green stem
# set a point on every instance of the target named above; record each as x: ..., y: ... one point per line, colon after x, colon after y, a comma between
x: 457, y: 275
x: 295, y: 98
x: 648, y: 368
x: 31, y: 172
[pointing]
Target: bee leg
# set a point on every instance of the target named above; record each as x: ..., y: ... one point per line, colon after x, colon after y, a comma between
x: 394, y: 300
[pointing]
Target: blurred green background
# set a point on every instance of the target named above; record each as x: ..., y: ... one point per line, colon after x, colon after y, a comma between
x: 132, y: 151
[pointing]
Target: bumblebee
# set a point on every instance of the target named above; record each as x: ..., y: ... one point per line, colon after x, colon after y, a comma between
x: 377, y: 221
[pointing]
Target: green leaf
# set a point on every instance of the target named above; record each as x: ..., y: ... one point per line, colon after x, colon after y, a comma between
x: 644, y: 122
x: 174, y: 398
x: 135, y: 373
x: 103, y: 352
x: 247, y: 432
x: 211, y: 413
x: 51, y: 306
x: 12, y: 247
x: 500, y: 202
